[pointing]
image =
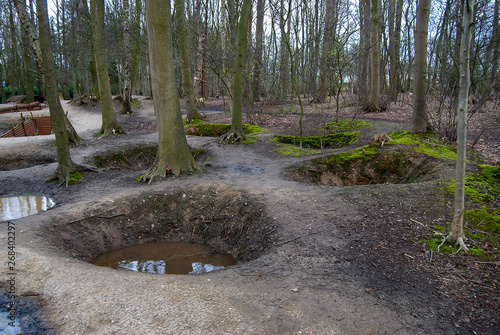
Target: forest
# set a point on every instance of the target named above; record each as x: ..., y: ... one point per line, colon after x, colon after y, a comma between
x: 342, y: 153
x: 327, y: 48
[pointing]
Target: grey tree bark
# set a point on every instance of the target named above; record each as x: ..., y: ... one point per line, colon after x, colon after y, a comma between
x: 174, y: 155
x: 327, y: 50
x: 236, y: 134
x: 375, y: 57
x: 420, y: 119
x: 127, y: 87
x: 187, y: 79
x: 259, y: 32
x: 110, y: 124
x: 456, y: 235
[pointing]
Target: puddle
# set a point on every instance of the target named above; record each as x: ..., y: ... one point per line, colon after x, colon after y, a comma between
x: 245, y: 169
x: 18, y: 206
x: 166, y: 258
x: 7, y: 325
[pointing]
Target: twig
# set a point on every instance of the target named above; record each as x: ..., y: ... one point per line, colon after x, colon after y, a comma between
x: 495, y: 263
x: 294, y: 239
x: 413, y: 220
x: 475, y: 281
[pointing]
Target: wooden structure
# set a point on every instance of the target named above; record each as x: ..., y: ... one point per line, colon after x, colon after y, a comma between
x: 34, y: 106
x: 31, y: 127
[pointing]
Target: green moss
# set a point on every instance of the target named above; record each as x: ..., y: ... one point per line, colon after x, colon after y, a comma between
x: 486, y: 219
x: 343, y: 126
x: 437, y: 151
x: 347, y: 158
x: 293, y: 150
x: 492, y: 173
x: 217, y: 130
x: 433, y: 244
x: 477, y: 251
x: 480, y: 188
x: 197, y: 152
x: 328, y: 141
x: 73, y: 178
x: 406, y: 137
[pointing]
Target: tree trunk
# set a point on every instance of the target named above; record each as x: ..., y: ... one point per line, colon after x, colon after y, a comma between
x: 259, y: 34
x: 187, y: 83
x: 375, y: 58
x: 326, y: 51
x: 110, y: 124
x: 456, y: 234
x: 28, y: 71
x: 364, y: 60
x: 13, y: 80
x: 137, y: 46
x: 392, y: 52
x: 174, y: 156
x: 236, y: 132
x: 64, y: 164
x: 34, y: 41
x: 2, y: 90
x: 126, y: 108
x: 420, y: 119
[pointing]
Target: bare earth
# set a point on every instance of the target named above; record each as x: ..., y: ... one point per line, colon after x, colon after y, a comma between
x: 343, y: 260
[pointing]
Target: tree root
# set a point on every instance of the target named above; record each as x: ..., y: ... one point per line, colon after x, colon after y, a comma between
x: 65, y: 174
x: 162, y: 169
x: 233, y: 136
x: 458, y: 241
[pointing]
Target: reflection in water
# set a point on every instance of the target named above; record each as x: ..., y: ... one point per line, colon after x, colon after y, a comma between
x: 7, y: 326
x: 166, y: 258
x: 18, y: 206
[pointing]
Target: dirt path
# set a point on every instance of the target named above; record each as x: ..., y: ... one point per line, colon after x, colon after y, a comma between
x: 341, y: 264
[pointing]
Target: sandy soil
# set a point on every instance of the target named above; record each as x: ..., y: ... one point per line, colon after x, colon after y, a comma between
x: 344, y: 260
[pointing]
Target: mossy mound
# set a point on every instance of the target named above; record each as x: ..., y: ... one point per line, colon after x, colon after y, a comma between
x: 343, y: 126
x: 217, y: 130
x: 317, y: 142
x: 363, y: 166
x: 482, y: 219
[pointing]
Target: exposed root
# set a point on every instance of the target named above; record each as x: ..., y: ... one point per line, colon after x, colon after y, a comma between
x: 157, y: 170
x: 64, y: 174
x: 162, y: 169
x: 458, y: 241
x: 233, y: 136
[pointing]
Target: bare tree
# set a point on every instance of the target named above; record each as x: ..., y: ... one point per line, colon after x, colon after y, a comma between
x: 375, y: 57
x: 456, y: 235
x: 236, y: 132
x: 420, y: 119
x: 127, y: 86
x: 187, y: 83
x: 174, y: 156
x: 110, y: 124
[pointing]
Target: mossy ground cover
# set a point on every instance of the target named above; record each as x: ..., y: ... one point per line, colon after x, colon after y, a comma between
x: 336, y: 134
x: 217, y: 129
x: 74, y: 178
x: 318, y: 142
x: 482, y: 218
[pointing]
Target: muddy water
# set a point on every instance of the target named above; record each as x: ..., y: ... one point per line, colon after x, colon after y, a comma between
x: 18, y: 206
x: 166, y: 258
x: 245, y: 169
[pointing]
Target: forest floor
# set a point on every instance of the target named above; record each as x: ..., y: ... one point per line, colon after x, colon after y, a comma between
x: 342, y: 260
